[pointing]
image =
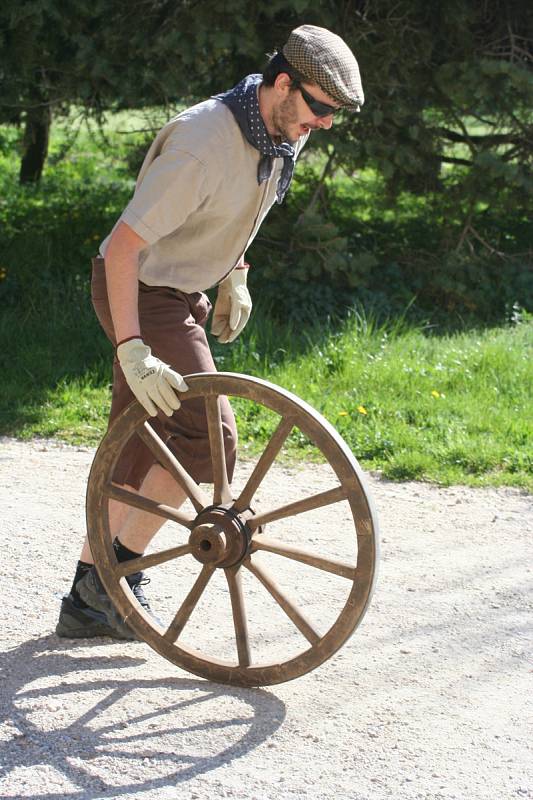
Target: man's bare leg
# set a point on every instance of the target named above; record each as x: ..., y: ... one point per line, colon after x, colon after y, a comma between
x: 137, y: 528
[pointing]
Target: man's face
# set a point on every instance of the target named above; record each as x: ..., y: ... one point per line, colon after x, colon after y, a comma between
x: 292, y: 117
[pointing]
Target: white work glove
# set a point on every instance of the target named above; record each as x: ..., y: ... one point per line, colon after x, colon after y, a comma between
x: 232, y: 308
x: 151, y: 381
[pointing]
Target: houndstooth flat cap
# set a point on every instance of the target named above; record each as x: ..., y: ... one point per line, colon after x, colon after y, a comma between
x: 325, y: 59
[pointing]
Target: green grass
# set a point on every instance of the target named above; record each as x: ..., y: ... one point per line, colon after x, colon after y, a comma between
x: 449, y: 409
x: 411, y: 401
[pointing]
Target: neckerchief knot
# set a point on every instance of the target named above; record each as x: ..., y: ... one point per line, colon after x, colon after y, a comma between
x: 243, y: 102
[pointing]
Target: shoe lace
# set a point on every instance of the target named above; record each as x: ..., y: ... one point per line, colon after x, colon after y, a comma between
x: 136, y: 581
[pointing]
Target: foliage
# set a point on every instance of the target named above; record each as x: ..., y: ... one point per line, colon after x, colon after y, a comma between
x: 361, y: 251
x: 432, y: 73
x: 354, y: 247
x: 444, y: 140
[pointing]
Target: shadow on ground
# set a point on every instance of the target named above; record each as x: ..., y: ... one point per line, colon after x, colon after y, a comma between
x: 92, y: 728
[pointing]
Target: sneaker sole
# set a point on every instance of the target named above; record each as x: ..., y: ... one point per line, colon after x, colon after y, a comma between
x: 80, y: 623
x: 91, y: 595
x: 66, y: 631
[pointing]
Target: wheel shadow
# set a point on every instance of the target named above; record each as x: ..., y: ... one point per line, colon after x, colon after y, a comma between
x: 101, y: 734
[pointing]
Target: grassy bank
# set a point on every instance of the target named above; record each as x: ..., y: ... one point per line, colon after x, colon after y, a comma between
x: 452, y: 409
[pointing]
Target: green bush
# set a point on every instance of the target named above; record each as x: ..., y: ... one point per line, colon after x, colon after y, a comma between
x: 333, y: 245
x: 358, y: 245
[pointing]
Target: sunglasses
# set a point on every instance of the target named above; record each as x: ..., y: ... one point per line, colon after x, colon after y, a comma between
x: 318, y: 108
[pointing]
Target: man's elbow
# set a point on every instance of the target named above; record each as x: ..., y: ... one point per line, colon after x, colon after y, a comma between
x: 124, y: 241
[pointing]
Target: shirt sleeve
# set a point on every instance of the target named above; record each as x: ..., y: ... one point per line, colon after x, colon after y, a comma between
x: 174, y: 185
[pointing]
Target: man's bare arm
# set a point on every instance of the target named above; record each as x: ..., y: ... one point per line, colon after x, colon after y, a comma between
x: 153, y: 382
x: 122, y: 275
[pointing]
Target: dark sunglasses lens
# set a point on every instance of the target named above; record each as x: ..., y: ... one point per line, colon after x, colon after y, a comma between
x: 319, y: 109
x: 322, y: 110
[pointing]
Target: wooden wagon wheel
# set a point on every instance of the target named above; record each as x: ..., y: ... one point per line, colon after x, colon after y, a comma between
x: 228, y: 534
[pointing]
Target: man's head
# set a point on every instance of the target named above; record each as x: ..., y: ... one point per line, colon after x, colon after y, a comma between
x: 313, y: 77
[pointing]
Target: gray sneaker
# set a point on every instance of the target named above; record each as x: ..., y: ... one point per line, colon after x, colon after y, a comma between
x: 92, y: 591
x: 77, y: 621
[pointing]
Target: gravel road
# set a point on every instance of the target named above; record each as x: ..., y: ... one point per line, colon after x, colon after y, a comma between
x: 429, y: 699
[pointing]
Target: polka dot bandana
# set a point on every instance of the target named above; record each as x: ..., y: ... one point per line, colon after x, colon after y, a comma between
x: 243, y: 103
x: 325, y: 59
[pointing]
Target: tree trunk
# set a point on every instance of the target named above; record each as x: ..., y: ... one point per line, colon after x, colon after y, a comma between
x: 35, y: 143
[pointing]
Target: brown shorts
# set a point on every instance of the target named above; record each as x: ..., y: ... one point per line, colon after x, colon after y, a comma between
x: 173, y: 324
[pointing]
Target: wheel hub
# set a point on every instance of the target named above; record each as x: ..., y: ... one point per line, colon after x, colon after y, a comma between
x: 220, y: 537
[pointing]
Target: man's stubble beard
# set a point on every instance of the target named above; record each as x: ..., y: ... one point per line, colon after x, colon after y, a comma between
x: 284, y: 116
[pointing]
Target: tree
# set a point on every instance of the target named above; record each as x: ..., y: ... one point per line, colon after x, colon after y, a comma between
x: 58, y: 53
x: 36, y: 65
x: 426, y: 68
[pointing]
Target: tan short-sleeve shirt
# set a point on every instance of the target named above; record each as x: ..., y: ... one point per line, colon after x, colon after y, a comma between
x: 197, y: 202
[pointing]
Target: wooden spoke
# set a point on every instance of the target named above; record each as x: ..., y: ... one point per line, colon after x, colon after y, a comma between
x: 152, y: 560
x: 171, y: 463
x: 296, y: 554
x: 268, y: 456
x: 239, y: 616
x: 189, y: 604
x: 145, y: 504
x: 308, y: 504
x: 221, y: 490
x: 288, y: 606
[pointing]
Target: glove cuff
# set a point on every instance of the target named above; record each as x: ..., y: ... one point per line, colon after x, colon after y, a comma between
x: 127, y: 348
x: 127, y: 339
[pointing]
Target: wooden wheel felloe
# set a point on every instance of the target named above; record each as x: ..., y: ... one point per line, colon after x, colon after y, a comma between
x: 230, y: 535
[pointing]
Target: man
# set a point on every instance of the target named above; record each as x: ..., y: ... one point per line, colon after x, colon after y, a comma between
x: 205, y: 186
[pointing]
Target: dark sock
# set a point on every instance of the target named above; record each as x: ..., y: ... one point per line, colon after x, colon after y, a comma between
x: 82, y: 569
x: 122, y: 552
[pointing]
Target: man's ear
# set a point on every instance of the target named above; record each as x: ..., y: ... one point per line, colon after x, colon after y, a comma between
x: 283, y: 83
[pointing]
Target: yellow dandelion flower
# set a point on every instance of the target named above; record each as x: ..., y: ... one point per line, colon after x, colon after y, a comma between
x: 362, y: 410
x: 434, y: 393
x: 343, y: 413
